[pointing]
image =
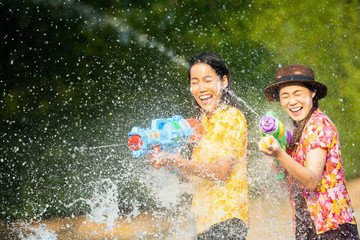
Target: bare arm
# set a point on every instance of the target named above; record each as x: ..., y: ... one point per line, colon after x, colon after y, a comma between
x: 217, y: 171
x: 308, y: 176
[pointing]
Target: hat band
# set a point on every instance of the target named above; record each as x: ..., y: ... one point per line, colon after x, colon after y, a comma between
x: 294, y: 77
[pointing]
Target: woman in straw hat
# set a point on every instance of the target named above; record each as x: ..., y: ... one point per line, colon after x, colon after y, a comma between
x: 319, y: 198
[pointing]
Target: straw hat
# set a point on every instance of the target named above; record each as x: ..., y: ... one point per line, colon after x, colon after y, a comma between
x: 294, y: 74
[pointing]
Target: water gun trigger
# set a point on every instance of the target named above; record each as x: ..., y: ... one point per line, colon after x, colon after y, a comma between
x: 157, y: 149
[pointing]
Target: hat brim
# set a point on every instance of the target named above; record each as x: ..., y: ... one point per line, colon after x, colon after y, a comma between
x: 272, y: 91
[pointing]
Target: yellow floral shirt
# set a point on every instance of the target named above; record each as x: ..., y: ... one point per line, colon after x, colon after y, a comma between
x: 225, y: 135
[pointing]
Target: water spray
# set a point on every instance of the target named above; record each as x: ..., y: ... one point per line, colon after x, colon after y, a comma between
x: 232, y: 93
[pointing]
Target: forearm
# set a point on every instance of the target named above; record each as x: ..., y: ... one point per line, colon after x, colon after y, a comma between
x: 303, y: 175
x: 184, y: 175
x: 210, y: 171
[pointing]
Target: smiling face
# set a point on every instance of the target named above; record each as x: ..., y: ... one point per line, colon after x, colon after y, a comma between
x: 206, y: 86
x: 297, y: 101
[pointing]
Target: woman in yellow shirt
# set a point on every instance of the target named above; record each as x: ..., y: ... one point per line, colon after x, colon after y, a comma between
x: 218, y: 163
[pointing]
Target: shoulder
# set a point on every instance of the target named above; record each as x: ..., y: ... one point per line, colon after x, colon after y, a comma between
x: 233, y: 118
x: 320, y: 132
x: 320, y: 124
x: 320, y: 119
x: 234, y: 114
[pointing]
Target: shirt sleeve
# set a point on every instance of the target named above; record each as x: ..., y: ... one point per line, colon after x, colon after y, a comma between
x: 319, y: 134
x: 233, y: 133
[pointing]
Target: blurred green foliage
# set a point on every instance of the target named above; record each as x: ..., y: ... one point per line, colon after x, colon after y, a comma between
x: 79, y: 74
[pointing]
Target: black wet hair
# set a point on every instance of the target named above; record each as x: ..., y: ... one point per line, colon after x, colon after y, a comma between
x: 221, y: 69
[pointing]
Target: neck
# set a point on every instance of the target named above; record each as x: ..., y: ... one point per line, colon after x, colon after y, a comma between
x: 221, y: 105
x: 209, y: 113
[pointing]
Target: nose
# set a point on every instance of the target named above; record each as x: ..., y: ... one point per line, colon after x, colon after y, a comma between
x: 202, y: 86
x: 292, y: 100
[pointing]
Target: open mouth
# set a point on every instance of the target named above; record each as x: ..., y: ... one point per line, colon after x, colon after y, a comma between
x: 206, y: 98
x: 296, y: 110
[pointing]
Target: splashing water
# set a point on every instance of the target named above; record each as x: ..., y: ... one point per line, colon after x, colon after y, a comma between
x: 38, y: 233
x: 103, y: 204
x: 173, y: 195
x: 232, y: 93
x: 34, y: 229
x: 124, y: 29
x: 165, y: 188
x: 168, y: 192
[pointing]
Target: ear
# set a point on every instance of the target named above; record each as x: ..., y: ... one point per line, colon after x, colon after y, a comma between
x: 225, y: 82
x: 313, y: 93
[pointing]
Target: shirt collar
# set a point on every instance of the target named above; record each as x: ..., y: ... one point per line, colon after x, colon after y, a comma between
x: 216, y: 115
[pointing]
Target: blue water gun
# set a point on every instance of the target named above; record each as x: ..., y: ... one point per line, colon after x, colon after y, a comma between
x: 165, y: 134
x: 271, y: 125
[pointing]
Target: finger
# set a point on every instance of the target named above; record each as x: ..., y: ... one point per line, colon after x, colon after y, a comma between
x: 264, y: 150
x: 156, y: 167
x: 266, y: 142
x: 260, y: 146
x: 150, y: 159
x: 272, y: 138
x: 158, y: 164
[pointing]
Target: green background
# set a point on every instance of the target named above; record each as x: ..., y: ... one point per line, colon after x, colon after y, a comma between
x: 77, y: 75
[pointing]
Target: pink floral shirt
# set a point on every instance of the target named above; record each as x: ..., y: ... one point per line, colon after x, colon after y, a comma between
x: 330, y: 204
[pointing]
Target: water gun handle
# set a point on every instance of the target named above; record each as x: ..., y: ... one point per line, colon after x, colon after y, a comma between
x: 271, y: 125
x: 280, y: 176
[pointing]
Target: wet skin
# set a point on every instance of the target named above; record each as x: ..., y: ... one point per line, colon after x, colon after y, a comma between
x: 206, y: 86
x: 297, y: 101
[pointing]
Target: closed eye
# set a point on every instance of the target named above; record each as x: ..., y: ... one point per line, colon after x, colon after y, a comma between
x: 194, y: 82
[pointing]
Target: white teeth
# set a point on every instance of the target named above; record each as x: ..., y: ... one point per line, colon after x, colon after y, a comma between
x: 295, y: 109
x: 205, y: 97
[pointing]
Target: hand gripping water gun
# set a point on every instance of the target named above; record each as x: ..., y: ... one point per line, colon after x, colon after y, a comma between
x: 165, y: 134
x: 271, y: 125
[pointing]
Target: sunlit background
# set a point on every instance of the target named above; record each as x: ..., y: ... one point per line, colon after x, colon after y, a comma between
x: 76, y: 76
